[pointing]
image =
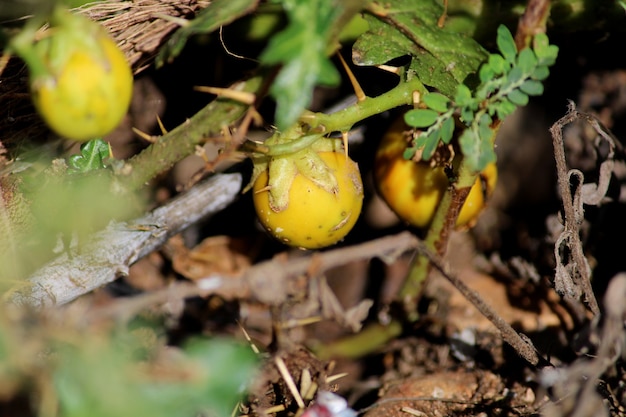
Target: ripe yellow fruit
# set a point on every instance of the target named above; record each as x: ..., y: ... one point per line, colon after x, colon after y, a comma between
x: 90, y: 95
x: 413, y: 190
x: 314, y: 218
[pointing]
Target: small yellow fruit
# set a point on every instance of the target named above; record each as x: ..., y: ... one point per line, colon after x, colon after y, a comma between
x: 314, y: 218
x: 90, y: 95
x: 413, y: 190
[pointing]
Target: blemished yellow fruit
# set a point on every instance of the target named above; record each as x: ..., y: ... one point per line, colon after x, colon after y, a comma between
x: 314, y: 218
x: 90, y: 95
x: 413, y: 190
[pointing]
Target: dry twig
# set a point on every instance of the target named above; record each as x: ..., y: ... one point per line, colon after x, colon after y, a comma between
x: 575, y: 387
x: 271, y: 282
x: 110, y: 252
x: 522, y: 344
x: 573, y: 273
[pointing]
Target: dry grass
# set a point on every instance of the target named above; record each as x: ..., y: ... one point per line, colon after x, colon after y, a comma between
x: 139, y: 27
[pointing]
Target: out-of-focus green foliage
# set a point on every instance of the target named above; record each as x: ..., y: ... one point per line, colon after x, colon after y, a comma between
x: 97, y: 372
x: 302, y: 50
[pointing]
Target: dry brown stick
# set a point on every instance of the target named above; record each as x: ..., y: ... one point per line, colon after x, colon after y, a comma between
x: 271, y: 282
x: 522, y: 345
x: 110, y: 252
x: 575, y: 277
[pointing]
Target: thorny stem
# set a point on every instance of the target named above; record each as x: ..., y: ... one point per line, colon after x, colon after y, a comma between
x: 182, y: 141
x: 343, y: 120
x: 312, y: 126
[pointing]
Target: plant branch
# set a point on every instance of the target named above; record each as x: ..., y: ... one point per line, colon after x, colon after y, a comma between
x: 522, y: 345
x: 110, y: 252
x: 532, y: 22
x: 443, y: 223
x: 182, y: 141
x: 378, y: 335
x: 343, y: 120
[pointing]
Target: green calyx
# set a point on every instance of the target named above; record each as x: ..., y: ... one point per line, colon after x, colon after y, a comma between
x: 282, y: 167
x: 47, y: 52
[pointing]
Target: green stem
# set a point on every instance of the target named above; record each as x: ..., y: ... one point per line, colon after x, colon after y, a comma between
x: 292, y: 140
x: 343, y: 120
x: 436, y: 240
x: 182, y: 141
x: 367, y: 341
x: 292, y: 146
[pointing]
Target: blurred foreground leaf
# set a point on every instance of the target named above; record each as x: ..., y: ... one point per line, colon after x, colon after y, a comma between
x: 99, y: 371
x: 302, y: 50
x: 99, y: 379
x: 91, y: 158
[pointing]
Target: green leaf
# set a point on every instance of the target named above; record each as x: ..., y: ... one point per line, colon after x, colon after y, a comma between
x: 436, y: 101
x: 431, y: 73
x: 463, y: 95
x: 498, y: 64
x: 301, y: 49
x: 470, y: 146
x: 467, y: 115
x: 515, y: 76
x: 540, y: 73
x: 226, y: 368
x: 218, y: 13
x: 478, y: 153
x: 485, y: 132
x: 92, y: 156
x: 420, y: 117
x: 430, y: 145
x: 447, y: 130
x: 517, y: 97
x: 409, y: 153
x: 526, y: 61
x: 532, y: 88
x: 205, y: 378
x: 486, y: 73
x: 504, y: 108
x: 366, y: 51
x: 441, y: 58
x: 546, y: 53
x: 506, y: 44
